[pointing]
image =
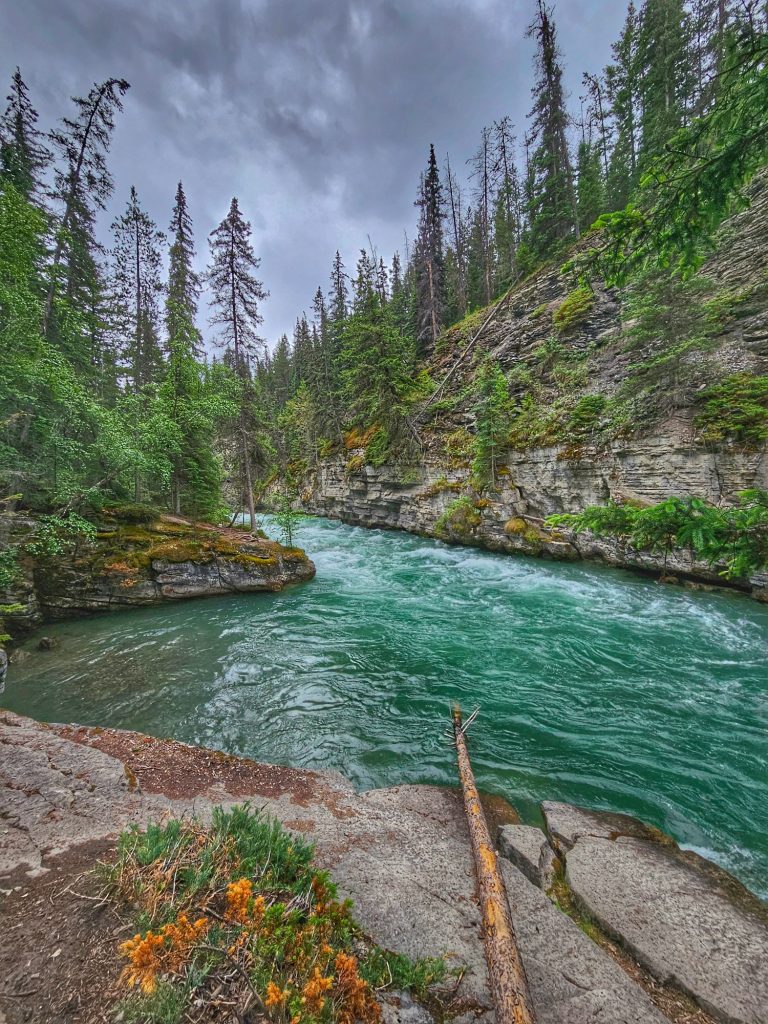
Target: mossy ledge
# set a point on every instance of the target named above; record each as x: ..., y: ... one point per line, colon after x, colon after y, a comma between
x: 129, y: 564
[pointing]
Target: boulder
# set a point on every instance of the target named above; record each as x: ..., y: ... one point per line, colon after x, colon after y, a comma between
x: 688, y: 922
x: 528, y: 849
x: 571, y: 979
x: 47, y: 643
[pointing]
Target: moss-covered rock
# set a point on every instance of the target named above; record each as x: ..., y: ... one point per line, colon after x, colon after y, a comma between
x: 132, y: 564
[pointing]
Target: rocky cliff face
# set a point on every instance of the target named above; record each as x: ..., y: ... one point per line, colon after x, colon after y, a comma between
x: 556, y: 365
x: 132, y: 565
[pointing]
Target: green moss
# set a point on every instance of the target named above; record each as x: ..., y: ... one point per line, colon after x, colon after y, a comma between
x: 354, y: 464
x: 574, y: 309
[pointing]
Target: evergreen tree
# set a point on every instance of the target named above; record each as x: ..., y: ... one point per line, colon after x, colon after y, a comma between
x: 482, y: 174
x: 507, y: 215
x: 183, y: 290
x: 456, y: 267
x: 373, y: 357
x: 136, y: 292
x: 590, y: 192
x: 665, y: 74
x: 622, y: 86
x: 82, y: 186
x: 552, y: 202
x: 429, y: 258
x: 235, y: 297
x: 493, y: 411
x: 23, y: 156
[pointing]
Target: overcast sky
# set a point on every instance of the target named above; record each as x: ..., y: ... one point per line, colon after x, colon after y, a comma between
x: 317, y: 114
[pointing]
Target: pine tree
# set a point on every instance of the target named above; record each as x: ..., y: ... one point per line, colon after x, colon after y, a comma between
x: 23, y: 156
x: 456, y: 268
x: 429, y: 258
x: 195, y: 484
x: 482, y: 174
x: 507, y: 215
x: 373, y: 357
x: 82, y: 186
x: 666, y: 76
x: 552, y: 204
x: 235, y: 297
x: 183, y: 290
x: 590, y: 192
x: 622, y: 86
x: 136, y: 291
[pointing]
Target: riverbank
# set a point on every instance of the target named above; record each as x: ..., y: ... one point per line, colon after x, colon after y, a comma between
x: 402, y: 855
x: 435, y: 498
x: 131, y: 563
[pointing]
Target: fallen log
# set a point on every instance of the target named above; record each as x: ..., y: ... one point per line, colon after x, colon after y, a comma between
x: 509, y: 986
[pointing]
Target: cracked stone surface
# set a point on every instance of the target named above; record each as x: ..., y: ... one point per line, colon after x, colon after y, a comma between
x: 685, y: 920
x: 528, y: 849
x: 402, y: 854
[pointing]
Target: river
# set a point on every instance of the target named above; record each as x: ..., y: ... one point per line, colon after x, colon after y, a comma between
x: 596, y: 686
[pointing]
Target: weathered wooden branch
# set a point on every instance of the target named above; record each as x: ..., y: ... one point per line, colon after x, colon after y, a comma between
x: 509, y: 986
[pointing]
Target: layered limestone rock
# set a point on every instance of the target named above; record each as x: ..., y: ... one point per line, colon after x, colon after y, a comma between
x: 433, y: 500
x: 659, y: 452
x: 133, y: 565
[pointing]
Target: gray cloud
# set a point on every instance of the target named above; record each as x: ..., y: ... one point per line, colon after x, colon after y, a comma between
x: 317, y: 115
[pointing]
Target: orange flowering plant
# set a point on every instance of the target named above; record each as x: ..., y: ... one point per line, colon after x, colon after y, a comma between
x: 235, y: 913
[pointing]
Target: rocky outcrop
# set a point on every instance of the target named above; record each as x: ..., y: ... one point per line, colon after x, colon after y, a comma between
x: 134, y: 565
x: 530, y: 486
x: 654, y: 449
x: 402, y: 855
x: 687, y: 922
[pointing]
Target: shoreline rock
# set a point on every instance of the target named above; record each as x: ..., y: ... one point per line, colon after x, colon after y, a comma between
x: 131, y: 565
x: 402, y: 855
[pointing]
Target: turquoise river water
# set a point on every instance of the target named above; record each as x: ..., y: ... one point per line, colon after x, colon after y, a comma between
x: 595, y: 686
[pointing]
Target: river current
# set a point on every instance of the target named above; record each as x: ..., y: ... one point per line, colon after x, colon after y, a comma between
x: 595, y: 686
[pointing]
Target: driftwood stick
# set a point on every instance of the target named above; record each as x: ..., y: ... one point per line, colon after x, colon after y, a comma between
x: 509, y: 986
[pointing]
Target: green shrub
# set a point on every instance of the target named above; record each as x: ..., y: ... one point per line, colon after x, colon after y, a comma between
x: 459, y: 520
x: 736, y: 408
x: 377, y: 449
x: 587, y: 412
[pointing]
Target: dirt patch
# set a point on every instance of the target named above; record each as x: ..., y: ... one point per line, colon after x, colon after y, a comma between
x: 58, y: 959
x: 178, y: 770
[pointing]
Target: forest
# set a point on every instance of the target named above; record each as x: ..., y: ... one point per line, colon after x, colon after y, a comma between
x: 107, y: 391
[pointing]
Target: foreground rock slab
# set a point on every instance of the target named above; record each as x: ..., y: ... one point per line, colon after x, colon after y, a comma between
x: 683, y: 918
x: 572, y: 980
x: 528, y: 849
x: 401, y: 854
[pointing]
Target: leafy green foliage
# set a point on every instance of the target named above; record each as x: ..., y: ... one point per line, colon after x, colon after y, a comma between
x: 734, y: 537
x: 493, y: 410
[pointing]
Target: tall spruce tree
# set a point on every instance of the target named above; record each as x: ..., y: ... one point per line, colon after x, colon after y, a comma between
x: 136, y: 292
x: 590, y: 191
x: 23, y: 155
x: 235, y: 296
x: 552, y: 197
x: 429, y: 258
x: 623, y: 87
x: 666, y: 74
x: 82, y: 186
x: 195, y: 482
x: 183, y: 291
